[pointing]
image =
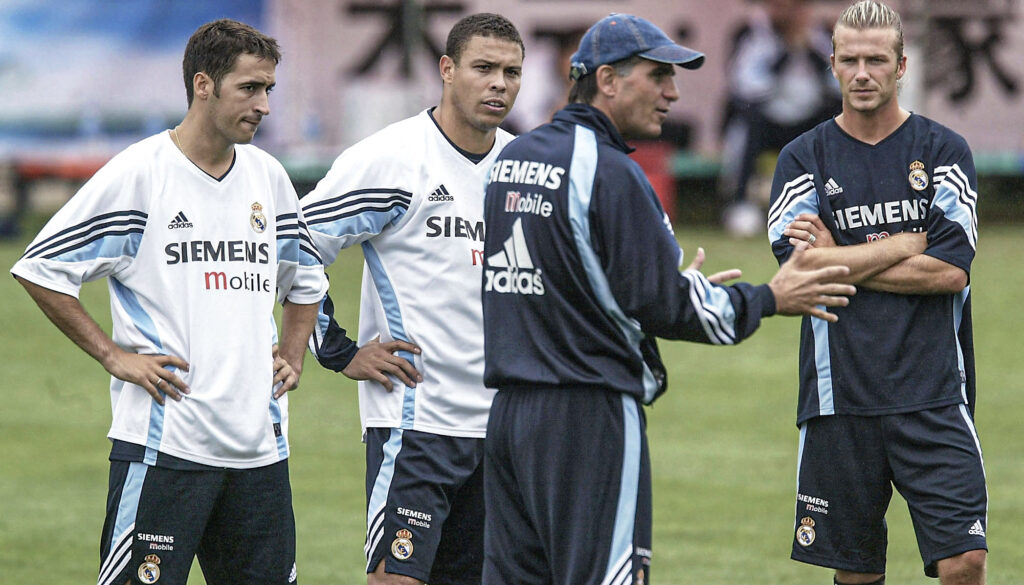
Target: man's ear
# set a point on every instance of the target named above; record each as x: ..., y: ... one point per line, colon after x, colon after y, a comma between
x: 202, y: 86
x: 447, y: 68
x: 607, y: 80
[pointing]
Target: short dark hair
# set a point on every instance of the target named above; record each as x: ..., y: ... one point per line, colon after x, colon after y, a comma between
x: 484, y: 24
x: 215, y: 46
x: 584, y: 89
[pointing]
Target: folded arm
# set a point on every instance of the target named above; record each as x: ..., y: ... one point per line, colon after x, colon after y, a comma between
x: 864, y: 260
x: 919, y: 275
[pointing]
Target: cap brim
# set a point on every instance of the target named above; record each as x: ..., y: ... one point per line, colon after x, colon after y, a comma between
x: 676, y: 55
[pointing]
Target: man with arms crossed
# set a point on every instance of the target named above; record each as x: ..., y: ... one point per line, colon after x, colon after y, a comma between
x: 197, y: 233
x: 412, y: 196
x: 887, y: 393
x: 582, y: 271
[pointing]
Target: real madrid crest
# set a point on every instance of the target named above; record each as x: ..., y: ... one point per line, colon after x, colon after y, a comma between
x: 257, y: 220
x: 149, y: 571
x: 805, y: 532
x: 918, y: 177
x: 401, y: 547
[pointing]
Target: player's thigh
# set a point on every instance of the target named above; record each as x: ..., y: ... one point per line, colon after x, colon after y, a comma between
x: 460, y: 555
x: 577, y: 461
x: 154, y: 523
x: 938, y: 468
x: 413, y: 480
x: 250, y: 536
x: 843, y: 490
x: 513, y: 552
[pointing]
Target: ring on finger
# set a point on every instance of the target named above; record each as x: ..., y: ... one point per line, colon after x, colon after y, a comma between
x: 811, y: 239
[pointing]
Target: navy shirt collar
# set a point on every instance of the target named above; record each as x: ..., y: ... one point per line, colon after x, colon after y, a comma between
x: 595, y: 119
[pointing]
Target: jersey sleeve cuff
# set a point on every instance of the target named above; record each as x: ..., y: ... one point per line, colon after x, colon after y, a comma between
x: 763, y: 294
x: 41, y: 280
x: 337, y: 355
x: 951, y: 259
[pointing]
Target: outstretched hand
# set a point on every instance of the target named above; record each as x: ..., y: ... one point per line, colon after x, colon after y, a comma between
x: 150, y: 372
x: 718, y: 277
x: 376, y: 360
x: 800, y: 290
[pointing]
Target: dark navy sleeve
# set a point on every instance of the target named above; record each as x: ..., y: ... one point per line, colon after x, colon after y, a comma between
x: 793, y: 192
x: 641, y: 259
x: 329, y: 343
x: 952, y: 216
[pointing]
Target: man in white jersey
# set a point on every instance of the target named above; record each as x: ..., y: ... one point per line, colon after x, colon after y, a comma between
x: 198, y: 233
x: 412, y: 196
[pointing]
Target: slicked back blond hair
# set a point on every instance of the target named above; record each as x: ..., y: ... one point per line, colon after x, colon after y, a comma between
x: 871, y: 14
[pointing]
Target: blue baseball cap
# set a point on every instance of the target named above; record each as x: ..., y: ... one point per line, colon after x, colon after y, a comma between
x: 620, y: 36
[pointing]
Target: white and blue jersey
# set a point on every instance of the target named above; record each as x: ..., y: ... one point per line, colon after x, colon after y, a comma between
x: 888, y: 353
x: 582, y: 268
x: 194, y: 266
x: 414, y: 202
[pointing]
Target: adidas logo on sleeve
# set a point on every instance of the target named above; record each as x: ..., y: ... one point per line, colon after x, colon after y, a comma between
x: 179, y: 222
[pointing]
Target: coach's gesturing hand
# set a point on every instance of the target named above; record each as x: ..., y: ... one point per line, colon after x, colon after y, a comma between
x: 802, y: 290
x: 718, y: 277
x: 375, y: 360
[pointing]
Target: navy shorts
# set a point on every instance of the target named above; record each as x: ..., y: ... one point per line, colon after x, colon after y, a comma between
x: 848, y: 466
x: 425, y: 505
x: 568, y: 489
x: 238, y: 522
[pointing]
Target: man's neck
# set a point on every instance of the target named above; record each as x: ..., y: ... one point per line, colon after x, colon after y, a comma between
x: 874, y: 127
x: 460, y: 133
x: 210, y: 153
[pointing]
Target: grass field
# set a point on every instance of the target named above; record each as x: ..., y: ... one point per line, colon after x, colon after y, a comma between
x: 723, y: 442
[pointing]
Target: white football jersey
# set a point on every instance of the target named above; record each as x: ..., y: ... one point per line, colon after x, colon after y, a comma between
x: 194, y: 266
x: 415, y: 204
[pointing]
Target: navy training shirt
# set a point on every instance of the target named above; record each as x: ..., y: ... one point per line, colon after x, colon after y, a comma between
x: 581, y: 268
x: 889, y: 353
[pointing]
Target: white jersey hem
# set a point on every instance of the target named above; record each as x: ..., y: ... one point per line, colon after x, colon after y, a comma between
x: 224, y: 463
x: 434, y: 430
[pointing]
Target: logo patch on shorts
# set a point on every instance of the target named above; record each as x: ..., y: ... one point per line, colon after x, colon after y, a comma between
x: 149, y: 571
x: 977, y: 529
x: 401, y: 547
x: 415, y: 517
x: 805, y: 532
x: 157, y: 541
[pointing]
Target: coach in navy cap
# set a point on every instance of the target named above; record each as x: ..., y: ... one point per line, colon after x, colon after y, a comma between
x: 610, y: 71
x: 620, y: 36
x: 576, y: 286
